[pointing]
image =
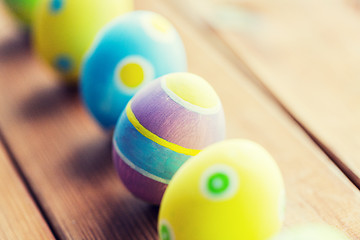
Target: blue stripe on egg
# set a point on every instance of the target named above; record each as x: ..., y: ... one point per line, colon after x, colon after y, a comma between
x: 145, y: 153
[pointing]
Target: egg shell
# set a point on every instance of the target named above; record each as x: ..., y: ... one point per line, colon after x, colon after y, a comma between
x: 24, y: 10
x: 230, y: 190
x: 165, y: 123
x: 65, y: 29
x: 128, y: 53
x: 311, y: 232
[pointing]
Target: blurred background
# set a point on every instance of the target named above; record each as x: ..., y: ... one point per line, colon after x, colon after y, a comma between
x: 287, y: 73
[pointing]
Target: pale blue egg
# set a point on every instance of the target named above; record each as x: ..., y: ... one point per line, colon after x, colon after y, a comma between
x: 129, y: 52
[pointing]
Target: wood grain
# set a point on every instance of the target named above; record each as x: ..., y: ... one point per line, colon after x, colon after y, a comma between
x: 307, y: 54
x: 63, y: 153
x: 19, y: 216
x: 66, y: 157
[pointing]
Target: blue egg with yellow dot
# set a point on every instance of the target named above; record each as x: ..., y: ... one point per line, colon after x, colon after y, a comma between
x: 128, y: 53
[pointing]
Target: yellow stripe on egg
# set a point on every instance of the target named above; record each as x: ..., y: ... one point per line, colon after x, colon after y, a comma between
x: 145, y: 132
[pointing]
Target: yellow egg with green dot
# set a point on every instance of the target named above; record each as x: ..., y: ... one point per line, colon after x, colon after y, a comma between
x: 65, y: 29
x: 230, y: 190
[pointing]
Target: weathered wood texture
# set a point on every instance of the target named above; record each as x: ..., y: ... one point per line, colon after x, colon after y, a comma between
x: 66, y: 157
x: 307, y: 54
x: 19, y: 216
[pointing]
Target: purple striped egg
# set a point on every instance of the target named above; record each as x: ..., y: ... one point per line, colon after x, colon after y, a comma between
x: 164, y: 124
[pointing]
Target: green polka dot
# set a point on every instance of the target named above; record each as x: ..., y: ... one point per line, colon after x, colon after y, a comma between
x: 218, y: 183
x: 164, y: 232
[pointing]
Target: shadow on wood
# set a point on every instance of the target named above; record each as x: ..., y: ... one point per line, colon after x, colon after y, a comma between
x: 90, y: 160
x: 46, y: 101
x: 115, y: 212
x: 15, y: 45
x: 131, y: 218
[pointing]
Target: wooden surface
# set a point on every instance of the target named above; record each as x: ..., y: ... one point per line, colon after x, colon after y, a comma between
x: 65, y: 157
x: 307, y: 54
x: 19, y: 216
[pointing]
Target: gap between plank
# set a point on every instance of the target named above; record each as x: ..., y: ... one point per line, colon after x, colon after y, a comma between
x: 246, y: 69
x: 218, y: 43
x: 239, y: 62
x: 27, y: 185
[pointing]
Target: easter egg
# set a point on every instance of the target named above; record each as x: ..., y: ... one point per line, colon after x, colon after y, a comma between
x: 230, y: 190
x: 65, y: 29
x: 311, y: 232
x: 23, y: 9
x: 130, y: 51
x: 165, y: 123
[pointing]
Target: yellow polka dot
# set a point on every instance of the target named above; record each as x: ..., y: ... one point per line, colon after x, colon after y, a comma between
x: 192, y: 89
x: 131, y: 75
x: 160, y: 24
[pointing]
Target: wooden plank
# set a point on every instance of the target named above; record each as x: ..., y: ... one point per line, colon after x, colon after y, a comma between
x: 307, y: 54
x: 63, y: 153
x: 66, y: 157
x: 20, y: 218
